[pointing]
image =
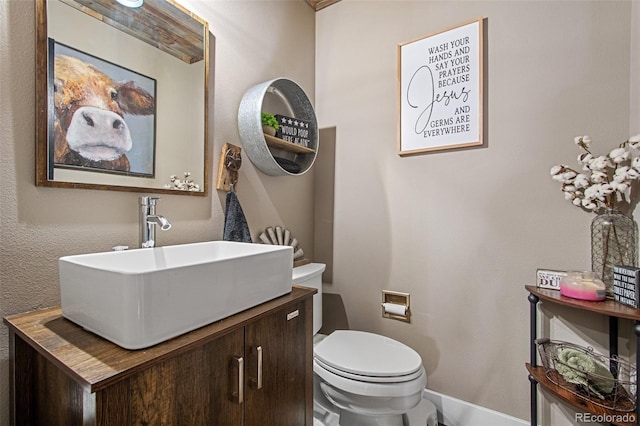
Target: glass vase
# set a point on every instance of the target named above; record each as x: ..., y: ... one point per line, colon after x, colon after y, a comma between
x: 613, y: 242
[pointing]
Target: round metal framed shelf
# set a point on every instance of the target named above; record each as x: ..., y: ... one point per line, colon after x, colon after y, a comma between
x: 263, y: 153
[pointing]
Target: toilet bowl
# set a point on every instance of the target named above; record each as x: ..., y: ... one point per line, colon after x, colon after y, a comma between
x: 360, y: 378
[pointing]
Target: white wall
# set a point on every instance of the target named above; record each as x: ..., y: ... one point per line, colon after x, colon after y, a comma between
x: 251, y: 44
x: 463, y: 231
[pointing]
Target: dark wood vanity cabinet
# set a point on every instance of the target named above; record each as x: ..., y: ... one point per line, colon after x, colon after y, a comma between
x: 253, y: 368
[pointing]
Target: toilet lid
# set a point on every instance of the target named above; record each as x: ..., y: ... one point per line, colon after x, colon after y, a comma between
x: 367, y: 354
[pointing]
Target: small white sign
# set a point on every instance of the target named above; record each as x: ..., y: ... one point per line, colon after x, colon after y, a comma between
x: 546, y: 278
x: 292, y: 315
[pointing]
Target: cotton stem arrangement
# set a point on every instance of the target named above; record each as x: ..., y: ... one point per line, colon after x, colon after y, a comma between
x: 602, y: 181
x: 186, y: 184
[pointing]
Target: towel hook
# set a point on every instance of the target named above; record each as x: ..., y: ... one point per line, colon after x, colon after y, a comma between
x: 230, y: 163
x: 233, y: 161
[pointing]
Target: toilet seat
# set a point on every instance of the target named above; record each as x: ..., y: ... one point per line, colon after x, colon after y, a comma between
x: 366, y: 388
x: 368, y: 364
x: 369, y: 357
x: 368, y: 379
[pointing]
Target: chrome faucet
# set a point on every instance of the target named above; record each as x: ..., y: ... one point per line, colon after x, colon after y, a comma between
x: 149, y: 220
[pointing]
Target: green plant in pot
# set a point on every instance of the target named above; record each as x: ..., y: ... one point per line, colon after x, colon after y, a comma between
x: 270, y: 124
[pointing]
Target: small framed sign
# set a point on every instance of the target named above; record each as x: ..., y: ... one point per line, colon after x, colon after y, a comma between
x: 626, y: 283
x: 547, y: 278
x: 294, y: 130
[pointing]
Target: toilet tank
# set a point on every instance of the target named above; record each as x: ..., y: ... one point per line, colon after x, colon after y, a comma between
x: 310, y: 275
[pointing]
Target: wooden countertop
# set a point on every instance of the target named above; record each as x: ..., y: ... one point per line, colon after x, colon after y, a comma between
x: 96, y: 363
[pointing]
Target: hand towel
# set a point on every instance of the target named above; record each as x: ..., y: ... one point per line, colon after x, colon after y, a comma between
x: 580, y: 368
x: 235, y: 224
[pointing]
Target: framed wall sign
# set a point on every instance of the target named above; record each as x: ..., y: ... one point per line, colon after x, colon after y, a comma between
x: 440, y: 90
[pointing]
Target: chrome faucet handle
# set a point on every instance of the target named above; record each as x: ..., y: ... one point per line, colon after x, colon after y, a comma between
x: 148, y: 219
x: 148, y: 200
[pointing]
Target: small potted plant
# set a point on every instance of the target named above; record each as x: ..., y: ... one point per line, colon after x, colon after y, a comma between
x: 270, y: 124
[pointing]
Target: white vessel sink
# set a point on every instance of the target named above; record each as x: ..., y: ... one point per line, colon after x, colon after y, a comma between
x: 138, y: 298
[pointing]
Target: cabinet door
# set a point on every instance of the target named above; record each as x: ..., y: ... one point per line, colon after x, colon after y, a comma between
x: 43, y: 393
x: 280, y: 340
x: 194, y: 388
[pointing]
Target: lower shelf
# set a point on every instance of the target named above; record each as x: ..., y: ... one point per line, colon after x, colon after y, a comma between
x: 539, y: 375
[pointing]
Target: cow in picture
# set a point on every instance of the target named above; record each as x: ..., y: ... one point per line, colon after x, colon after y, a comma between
x: 89, y: 129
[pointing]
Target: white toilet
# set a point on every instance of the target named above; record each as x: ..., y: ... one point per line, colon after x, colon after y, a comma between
x: 360, y: 378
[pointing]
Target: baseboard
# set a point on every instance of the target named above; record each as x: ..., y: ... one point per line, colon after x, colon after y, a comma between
x: 455, y: 412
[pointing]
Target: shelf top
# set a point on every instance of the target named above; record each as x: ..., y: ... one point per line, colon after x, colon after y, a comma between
x: 606, y: 307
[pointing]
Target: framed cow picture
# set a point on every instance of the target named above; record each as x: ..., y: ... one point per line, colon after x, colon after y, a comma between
x: 102, y: 117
